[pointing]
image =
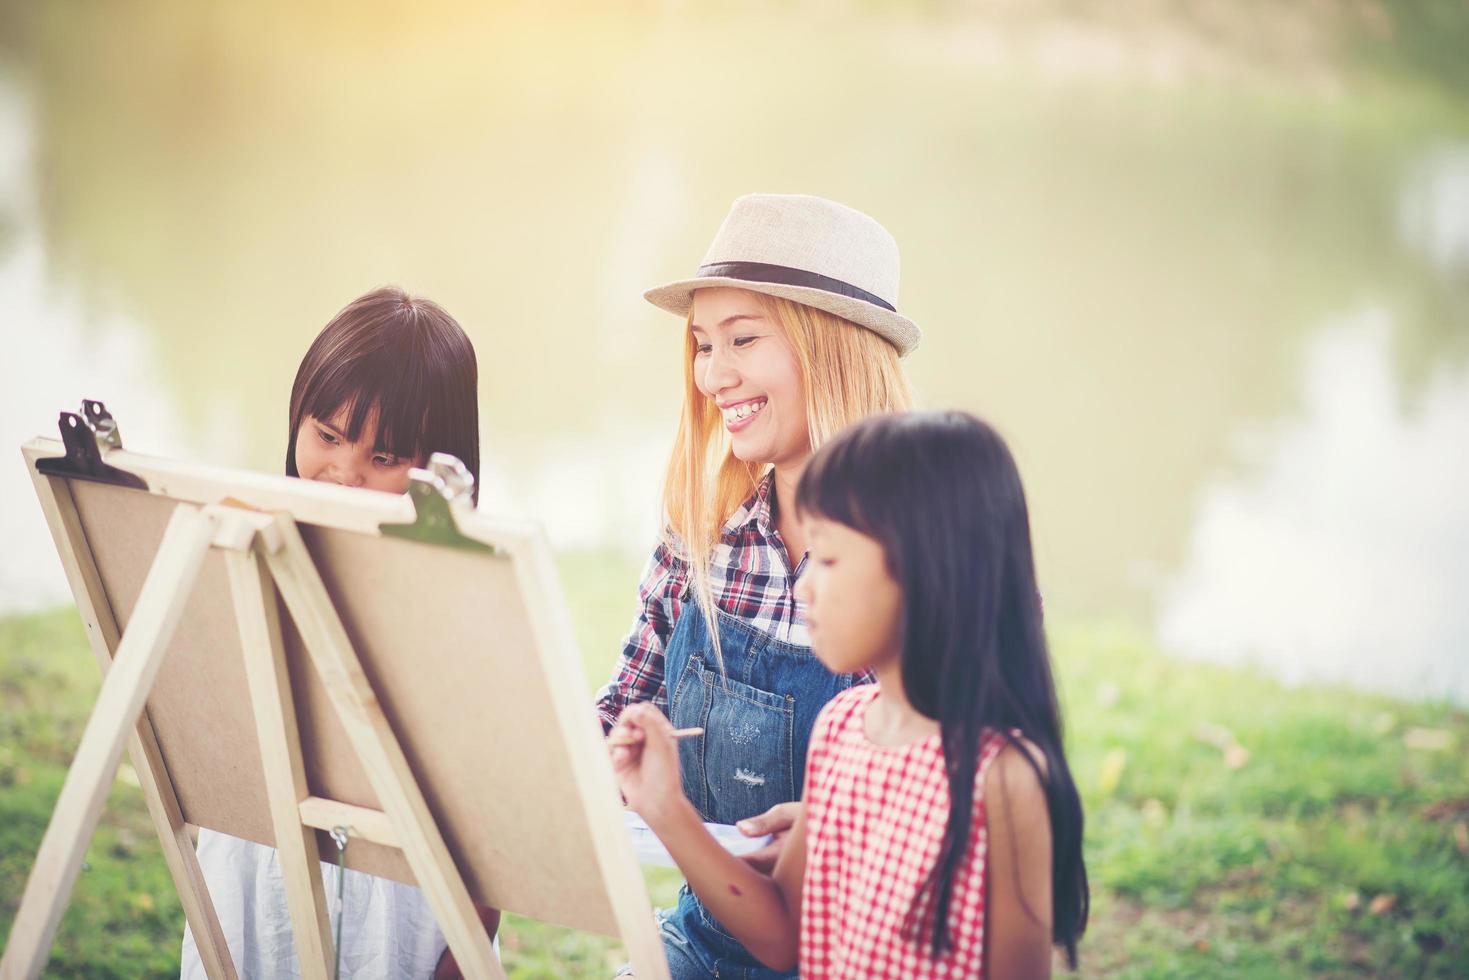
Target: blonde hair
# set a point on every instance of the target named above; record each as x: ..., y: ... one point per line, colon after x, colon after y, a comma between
x: 848, y: 373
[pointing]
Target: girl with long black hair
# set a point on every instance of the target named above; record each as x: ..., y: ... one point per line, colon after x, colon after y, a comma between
x: 941, y: 830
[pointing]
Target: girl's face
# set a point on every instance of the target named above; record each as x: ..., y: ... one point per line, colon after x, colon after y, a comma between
x: 324, y: 453
x: 854, y: 607
x: 745, y: 364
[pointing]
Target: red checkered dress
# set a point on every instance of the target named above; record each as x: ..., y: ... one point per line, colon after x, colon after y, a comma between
x: 752, y: 580
x: 875, y: 819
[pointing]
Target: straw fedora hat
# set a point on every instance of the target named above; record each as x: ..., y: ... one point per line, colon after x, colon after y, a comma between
x: 809, y: 250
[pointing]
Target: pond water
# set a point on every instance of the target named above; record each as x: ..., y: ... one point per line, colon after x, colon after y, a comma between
x: 1224, y: 323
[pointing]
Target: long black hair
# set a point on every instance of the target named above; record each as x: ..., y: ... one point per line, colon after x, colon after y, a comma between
x: 406, y: 358
x: 941, y: 494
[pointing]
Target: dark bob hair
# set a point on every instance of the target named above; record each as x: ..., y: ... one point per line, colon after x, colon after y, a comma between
x: 404, y: 358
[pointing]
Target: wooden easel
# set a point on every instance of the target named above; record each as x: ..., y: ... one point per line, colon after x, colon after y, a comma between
x: 260, y: 549
x: 263, y: 553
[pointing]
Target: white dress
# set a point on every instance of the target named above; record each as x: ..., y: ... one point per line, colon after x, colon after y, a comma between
x: 389, y: 930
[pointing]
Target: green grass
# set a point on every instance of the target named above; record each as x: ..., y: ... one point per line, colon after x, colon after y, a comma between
x: 124, y: 919
x: 1329, y: 849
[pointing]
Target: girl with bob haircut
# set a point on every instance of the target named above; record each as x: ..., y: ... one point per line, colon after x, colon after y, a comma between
x: 941, y: 831
x: 391, y: 372
x: 389, y: 381
x: 791, y: 332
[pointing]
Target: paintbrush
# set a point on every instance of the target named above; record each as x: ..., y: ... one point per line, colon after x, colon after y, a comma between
x: 676, y: 733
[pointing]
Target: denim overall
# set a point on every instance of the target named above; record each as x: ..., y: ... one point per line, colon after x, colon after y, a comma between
x: 757, y: 723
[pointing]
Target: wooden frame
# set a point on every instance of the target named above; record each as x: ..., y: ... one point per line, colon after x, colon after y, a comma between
x: 253, y: 526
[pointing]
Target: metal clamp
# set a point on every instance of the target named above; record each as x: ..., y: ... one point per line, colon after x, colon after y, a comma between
x: 339, y: 837
x: 437, y: 491
x: 85, y: 436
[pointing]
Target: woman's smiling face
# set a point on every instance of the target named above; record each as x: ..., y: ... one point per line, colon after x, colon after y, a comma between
x: 746, y: 366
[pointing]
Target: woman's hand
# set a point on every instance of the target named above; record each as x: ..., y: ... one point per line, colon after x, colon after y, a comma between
x: 645, y: 761
x: 778, y: 821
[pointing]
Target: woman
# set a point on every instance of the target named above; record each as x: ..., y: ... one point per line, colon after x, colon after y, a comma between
x: 792, y: 333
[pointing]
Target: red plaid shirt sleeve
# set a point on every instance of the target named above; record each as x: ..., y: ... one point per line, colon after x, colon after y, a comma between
x: 639, y: 674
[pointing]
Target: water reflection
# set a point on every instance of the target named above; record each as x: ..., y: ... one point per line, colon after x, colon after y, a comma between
x: 1434, y: 213
x: 57, y: 352
x: 1118, y: 278
x: 1342, y: 553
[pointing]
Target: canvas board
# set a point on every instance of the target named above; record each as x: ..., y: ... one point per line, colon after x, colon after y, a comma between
x: 470, y: 654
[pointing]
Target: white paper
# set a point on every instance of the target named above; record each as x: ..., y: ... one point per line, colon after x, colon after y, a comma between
x: 650, y: 849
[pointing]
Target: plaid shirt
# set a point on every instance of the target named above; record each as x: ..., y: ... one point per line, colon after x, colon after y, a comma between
x: 751, y: 578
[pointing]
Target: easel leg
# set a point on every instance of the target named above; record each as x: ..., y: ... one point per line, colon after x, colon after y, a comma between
x: 59, y: 507
x: 280, y: 754
x: 179, y: 854
x: 119, y: 705
x: 381, y: 755
x: 547, y: 607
